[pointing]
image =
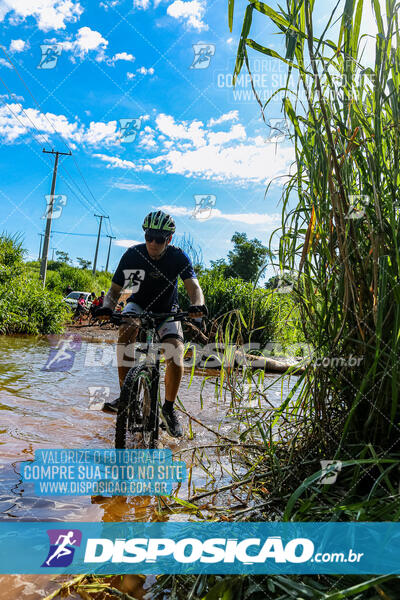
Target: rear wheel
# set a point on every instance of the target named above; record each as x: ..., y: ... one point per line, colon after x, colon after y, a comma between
x: 137, y: 416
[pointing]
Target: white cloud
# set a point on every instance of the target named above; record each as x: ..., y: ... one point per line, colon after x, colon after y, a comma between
x: 96, y: 134
x: 49, y: 14
x: 237, y: 132
x: 18, y: 45
x: 109, y: 4
x: 215, y: 213
x: 114, y: 162
x: 13, y: 97
x: 230, y: 40
x: 188, y: 149
x: 131, y: 187
x: 141, y: 4
x: 122, y: 56
x: 147, y: 138
x: 5, y: 63
x: 190, y: 12
x: 232, y: 115
x: 251, y: 162
x: 181, y: 131
x: 130, y: 75
x: 144, y: 71
x: 87, y: 40
x: 101, y: 132
x: 126, y: 243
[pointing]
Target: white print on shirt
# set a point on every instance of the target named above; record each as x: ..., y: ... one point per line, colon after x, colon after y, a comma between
x: 133, y: 279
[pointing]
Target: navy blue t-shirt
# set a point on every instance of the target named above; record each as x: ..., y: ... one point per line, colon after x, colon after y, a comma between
x: 154, y: 282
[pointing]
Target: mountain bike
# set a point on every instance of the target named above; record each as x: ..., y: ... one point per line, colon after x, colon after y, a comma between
x: 138, y: 407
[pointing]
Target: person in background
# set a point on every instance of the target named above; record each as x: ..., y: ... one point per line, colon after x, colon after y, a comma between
x: 101, y: 299
x: 80, y: 308
x: 119, y: 307
x: 94, y: 306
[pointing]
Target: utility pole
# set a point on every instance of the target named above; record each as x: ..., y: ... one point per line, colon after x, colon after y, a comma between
x: 101, y: 217
x: 40, y: 247
x: 52, y: 256
x: 109, y: 249
x: 43, y: 266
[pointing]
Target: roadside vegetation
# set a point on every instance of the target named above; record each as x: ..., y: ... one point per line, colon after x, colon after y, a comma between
x: 255, y: 314
x: 25, y: 307
x: 61, y: 274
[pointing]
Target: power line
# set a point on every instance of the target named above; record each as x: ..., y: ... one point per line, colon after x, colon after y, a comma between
x: 89, y: 205
x: 98, y: 207
x: 20, y: 122
x: 79, y: 234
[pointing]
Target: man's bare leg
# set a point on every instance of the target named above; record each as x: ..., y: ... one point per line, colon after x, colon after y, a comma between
x: 174, y: 368
x: 125, y: 355
x: 125, y: 359
x: 173, y: 376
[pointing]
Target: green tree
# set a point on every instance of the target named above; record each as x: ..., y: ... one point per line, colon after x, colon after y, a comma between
x: 62, y: 256
x: 247, y: 257
x: 83, y: 263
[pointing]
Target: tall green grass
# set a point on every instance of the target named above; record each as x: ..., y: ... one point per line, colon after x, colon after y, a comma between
x: 347, y: 143
x: 60, y: 275
x: 25, y: 307
x: 260, y: 315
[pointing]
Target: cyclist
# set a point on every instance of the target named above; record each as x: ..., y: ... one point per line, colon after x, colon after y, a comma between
x: 151, y: 270
x: 81, y: 309
x: 100, y: 299
x: 94, y: 306
x: 120, y: 307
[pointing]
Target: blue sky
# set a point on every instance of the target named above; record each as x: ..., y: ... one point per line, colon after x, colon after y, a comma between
x: 133, y: 59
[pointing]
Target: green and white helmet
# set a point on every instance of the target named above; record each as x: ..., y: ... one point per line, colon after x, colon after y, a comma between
x: 159, y: 221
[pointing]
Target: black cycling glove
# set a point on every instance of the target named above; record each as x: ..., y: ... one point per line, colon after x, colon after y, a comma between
x: 198, y: 308
x: 103, y: 311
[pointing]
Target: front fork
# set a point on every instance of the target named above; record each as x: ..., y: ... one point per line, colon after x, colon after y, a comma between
x: 153, y: 362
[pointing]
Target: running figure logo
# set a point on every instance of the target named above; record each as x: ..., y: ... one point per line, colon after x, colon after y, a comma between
x: 357, y: 206
x: 278, y: 130
x: 202, y: 55
x: 54, y: 206
x: 62, y: 547
x: 128, y: 129
x: 50, y: 56
x: 62, y: 354
x: 133, y: 279
x: 204, y: 203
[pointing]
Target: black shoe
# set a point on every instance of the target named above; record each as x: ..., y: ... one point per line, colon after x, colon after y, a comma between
x: 111, y: 407
x: 171, y: 421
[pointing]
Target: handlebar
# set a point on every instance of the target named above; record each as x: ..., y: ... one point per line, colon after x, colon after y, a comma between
x: 117, y: 318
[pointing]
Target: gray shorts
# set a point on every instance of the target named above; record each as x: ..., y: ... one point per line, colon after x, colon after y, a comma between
x: 166, y: 329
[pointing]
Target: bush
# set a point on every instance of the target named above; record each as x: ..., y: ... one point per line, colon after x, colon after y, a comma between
x: 60, y: 275
x: 267, y: 317
x: 25, y: 307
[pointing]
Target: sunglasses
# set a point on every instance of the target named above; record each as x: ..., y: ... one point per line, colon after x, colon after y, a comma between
x: 158, y: 239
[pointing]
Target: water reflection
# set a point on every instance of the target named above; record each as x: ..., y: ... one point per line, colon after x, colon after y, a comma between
x: 45, y: 409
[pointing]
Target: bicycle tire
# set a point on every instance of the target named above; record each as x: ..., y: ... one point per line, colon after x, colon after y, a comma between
x: 134, y: 415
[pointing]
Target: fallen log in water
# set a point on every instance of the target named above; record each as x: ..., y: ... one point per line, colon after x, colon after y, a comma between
x: 269, y: 364
x: 215, y: 360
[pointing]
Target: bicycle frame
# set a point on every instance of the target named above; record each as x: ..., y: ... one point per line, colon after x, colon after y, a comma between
x: 149, y: 322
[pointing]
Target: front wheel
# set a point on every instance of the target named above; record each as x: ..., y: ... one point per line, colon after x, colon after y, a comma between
x: 138, y: 409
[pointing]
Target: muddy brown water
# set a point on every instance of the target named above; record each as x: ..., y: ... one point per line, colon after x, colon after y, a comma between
x: 45, y: 409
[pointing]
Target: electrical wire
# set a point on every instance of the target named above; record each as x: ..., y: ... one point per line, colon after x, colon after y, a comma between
x: 96, y: 202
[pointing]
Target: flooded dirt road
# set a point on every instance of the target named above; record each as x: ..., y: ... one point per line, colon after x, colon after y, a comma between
x: 51, y: 409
